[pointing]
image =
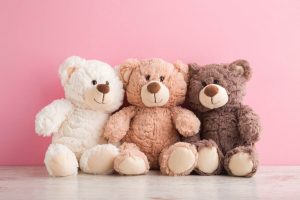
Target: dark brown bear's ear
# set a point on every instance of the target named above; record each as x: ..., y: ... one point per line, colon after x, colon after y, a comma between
x: 193, y: 69
x: 126, y: 68
x: 241, y: 68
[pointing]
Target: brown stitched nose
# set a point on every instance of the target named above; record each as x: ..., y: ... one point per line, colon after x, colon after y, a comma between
x: 211, y: 90
x: 153, y: 87
x: 103, y: 88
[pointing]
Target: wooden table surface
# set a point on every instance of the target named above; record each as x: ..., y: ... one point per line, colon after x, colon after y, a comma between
x: 30, y: 183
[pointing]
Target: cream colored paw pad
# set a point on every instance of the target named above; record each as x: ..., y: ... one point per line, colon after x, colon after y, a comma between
x: 62, y: 165
x: 181, y: 160
x: 208, y: 160
x: 101, y: 162
x: 240, y: 164
x: 132, y: 166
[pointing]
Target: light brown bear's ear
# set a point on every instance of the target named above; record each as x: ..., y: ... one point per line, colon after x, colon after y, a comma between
x: 241, y: 68
x: 126, y: 68
x: 182, y: 68
x: 68, y: 67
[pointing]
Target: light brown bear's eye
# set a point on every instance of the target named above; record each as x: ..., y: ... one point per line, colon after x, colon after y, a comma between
x: 162, y: 78
x: 216, y: 81
x: 204, y: 83
x: 107, y: 83
x: 94, y: 82
x: 147, y: 77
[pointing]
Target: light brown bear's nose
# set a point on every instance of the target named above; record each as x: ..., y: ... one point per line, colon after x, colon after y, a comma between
x: 211, y: 90
x: 153, y: 87
x: 104, y: 88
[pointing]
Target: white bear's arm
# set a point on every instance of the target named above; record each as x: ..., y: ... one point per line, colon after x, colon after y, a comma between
x: 51, y: 117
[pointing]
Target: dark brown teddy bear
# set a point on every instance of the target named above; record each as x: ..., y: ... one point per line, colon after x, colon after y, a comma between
x: 229, y: 129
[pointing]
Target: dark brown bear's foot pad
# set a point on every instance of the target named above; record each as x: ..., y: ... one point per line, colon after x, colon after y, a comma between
x: 241, y: 161
x: 209, y: 158
x: 178, y: 160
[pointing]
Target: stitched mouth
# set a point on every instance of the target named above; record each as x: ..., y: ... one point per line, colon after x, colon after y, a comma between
x: 98, y: 101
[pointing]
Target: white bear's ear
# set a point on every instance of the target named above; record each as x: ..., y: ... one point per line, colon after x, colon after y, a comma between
x: 241, y: 68
x: 182, y: 68
x: 126, y: 68
x: 68, y: 67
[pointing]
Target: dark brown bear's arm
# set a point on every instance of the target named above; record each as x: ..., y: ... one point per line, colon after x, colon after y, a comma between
x: 248, y: 124
x: 185, y: 121
x: 118, y: 124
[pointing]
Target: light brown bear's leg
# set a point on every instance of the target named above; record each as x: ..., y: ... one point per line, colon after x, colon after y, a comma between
x: 178, y: 159
x: 131, y: 161
x: 210, y: 158
x: 241, y: 161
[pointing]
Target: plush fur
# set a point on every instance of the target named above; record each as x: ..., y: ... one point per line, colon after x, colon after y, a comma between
x: 93, y: 90
x: 226, y: 123
x: 154, y: 121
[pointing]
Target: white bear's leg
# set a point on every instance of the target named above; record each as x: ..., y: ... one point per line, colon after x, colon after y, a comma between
x: 99, y: 159
x: 60, y: 161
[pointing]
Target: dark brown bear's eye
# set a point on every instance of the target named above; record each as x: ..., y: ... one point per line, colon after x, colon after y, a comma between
x: 203, y: 83
x: 162, y: 78
x: 94, y: 82
x: 147, y: 77
x: 216, y: 81
x: 107, y: 83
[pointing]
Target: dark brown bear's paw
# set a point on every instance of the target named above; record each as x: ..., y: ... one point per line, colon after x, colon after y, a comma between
x: 241, y: 161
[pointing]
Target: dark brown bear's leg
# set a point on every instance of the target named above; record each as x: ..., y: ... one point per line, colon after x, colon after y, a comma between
x: 241, y: 161
x: 210, y: 158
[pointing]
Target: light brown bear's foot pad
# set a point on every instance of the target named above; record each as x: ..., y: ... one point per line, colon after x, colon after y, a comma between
x: 209, y: 158
x: 241, y: 161
x: 99, y: 159
x: 131, y: 162
x: 60, y: 161
x: 179, y: 159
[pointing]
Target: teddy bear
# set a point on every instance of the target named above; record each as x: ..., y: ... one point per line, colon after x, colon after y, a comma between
x: 229, y: 129
x: 151, y: 126
x: 93, y: 91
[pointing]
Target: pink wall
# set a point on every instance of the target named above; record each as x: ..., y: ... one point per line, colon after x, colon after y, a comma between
x: 35, y: 37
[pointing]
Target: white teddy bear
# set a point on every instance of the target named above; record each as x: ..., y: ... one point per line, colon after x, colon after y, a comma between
x: 92, y: 92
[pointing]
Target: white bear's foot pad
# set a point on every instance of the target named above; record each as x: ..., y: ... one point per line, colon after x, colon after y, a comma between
x: 99, y: 159
x: 60, y: 161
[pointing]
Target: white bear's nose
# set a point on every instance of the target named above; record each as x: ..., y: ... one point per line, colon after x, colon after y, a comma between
x: 103, y: 88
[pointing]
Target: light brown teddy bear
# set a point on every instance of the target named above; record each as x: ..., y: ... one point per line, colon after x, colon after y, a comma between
x: 151, y: 127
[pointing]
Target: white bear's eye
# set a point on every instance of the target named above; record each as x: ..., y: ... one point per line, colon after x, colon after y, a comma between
x: 107, y: 83
x: 94, y: 82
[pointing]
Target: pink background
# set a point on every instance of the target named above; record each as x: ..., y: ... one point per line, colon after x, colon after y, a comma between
x: 36, y: 36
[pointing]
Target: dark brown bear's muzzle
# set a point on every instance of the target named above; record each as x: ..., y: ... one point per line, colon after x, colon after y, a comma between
x: 153, y: 87
x: 103, y: 88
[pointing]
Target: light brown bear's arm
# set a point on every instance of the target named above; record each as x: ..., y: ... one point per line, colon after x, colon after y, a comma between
x: 118, y: 124
x: 248, y: 124
x: 185, y: 121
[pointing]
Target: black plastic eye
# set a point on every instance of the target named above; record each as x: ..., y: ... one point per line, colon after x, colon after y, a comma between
x: 107, y: 83
x: 204, y: 83
x: 216, y: 81
x: 94, y: 82
x: 162, y: 78
x: 147, y: 77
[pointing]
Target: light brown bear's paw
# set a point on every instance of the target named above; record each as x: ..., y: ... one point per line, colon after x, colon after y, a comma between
x: 60, y: 161
x: 209, y: 158
x: 99, y: 159
x: 241, y: 161
x: 178, y: 160
x: 131, y: 162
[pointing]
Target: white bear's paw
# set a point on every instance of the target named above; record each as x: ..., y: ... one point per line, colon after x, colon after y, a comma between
x: 99, y: 159
x: 60, y: 161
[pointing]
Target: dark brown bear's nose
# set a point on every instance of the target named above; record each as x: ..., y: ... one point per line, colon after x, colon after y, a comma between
x: 104, y: 88
x: 211, y: 90
x: 153, y: 87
